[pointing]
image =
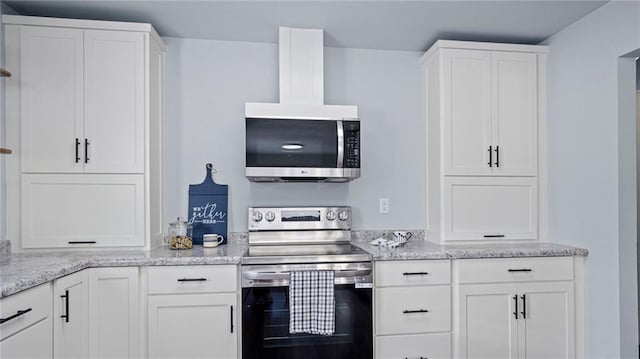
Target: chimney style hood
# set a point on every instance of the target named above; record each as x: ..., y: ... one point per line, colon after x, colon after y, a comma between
x: 301, y: 65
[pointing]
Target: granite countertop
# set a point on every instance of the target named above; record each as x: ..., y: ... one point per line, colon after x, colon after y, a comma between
x: 20, y: 271
x: 422, y: 249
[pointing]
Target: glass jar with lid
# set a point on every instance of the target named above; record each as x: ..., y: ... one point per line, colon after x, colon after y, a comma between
x: 179, y: 236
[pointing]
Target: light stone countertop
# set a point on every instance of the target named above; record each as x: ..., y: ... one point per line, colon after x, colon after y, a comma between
x: 21, y: 271
x: 422, y: 249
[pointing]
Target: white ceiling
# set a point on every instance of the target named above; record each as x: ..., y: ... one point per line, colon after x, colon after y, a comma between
x: 392, y: 25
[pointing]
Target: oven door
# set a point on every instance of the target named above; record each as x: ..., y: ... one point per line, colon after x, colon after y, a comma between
x: 265, y: 326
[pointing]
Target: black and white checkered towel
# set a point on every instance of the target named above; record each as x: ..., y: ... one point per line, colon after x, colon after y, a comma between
x: 312, y: 306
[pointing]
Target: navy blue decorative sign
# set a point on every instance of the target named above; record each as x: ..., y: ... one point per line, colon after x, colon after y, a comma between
x: 208, y: 208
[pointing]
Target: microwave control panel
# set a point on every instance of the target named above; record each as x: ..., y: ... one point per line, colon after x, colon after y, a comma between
x: 351, y: 144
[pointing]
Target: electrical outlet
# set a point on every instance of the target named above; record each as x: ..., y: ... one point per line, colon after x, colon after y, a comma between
x: 384, y: 205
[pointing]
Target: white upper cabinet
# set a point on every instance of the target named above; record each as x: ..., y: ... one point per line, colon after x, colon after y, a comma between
x: 489, y: 113
x: 84, y: 108
x: 52, y: 102
x: 114, y: 101
x: 514, y: 126
x: 486, y: 138
x: 466, y: 114
x: 490, y: 208
x: 82, y: 100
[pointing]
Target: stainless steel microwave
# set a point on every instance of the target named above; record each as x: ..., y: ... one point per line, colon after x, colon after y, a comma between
x: 302, y: 150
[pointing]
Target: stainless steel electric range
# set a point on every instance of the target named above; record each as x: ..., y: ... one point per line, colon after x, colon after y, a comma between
x: 282, y: 240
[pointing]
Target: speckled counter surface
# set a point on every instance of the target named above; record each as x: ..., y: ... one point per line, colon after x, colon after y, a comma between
x: 422, y: 249
x: 21, y: 271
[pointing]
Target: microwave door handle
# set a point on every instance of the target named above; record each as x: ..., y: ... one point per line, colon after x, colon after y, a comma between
x: 340, y: 125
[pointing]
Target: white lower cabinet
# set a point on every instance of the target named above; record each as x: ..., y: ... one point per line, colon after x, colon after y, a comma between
x: 431, y: 346
x: 193, y: 326
x: 193, y: 312
x: 25, y: 328
x: 512, y: 318
x: 71, y: 316
x: 412, y: 309
x: 114, y: 312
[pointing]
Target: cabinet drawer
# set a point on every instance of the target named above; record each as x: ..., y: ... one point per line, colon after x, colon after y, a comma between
x: 192, y: 279
x: 37, y: 300
x: 432, y: 346
x: 396, y: 310
x: 513, y: 269
x: 410, y: 273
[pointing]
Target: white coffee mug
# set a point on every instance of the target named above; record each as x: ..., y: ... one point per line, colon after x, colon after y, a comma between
x: 402, y: 236
x: 211, y: 240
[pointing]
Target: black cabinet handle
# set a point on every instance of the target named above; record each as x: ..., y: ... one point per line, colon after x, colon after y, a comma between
x: 77, y: 154
x: 497, y: 156
x: 524, y: 306
x: 66, y: 306
x: 490, y: 156
x: 18, y: 313
x: 415, y: 273
x: 86, y: 151
x: 493, y: 236
x: 407, y: 311
x: 82, y: 242
x: 192, y: 280
x: 231, y: 311
x: 515, y: 301
x: 520, y: 270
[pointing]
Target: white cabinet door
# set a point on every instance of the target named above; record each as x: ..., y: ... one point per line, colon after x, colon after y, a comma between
x: 514, y: 127
x: 114, y: 309
x: 71, y: 316
x: 71, y: 210
x: 114, y: 97
x: 35, y: 342
x: 487, y: 327
x: 51, y: 91
x: 547, y: 325
x: 193, y: 326
x: 466, y: 111
x: 490, y: 208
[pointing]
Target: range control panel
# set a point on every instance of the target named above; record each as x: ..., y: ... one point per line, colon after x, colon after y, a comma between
x: 299, y: 218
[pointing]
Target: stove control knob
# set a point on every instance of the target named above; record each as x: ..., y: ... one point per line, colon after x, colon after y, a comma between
x: 343, y: 215
x: 257, y: 216
x: 270, y: 216
x: 331, y: 215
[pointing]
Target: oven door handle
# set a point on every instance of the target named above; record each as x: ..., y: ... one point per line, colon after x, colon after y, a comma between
x: 271, y: 275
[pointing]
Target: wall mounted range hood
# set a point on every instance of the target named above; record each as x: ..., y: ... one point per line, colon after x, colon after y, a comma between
x: 301, y: 67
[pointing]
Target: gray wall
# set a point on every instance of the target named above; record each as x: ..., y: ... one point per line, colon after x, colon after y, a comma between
x: 207, y: 84
x: 584, y: 165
